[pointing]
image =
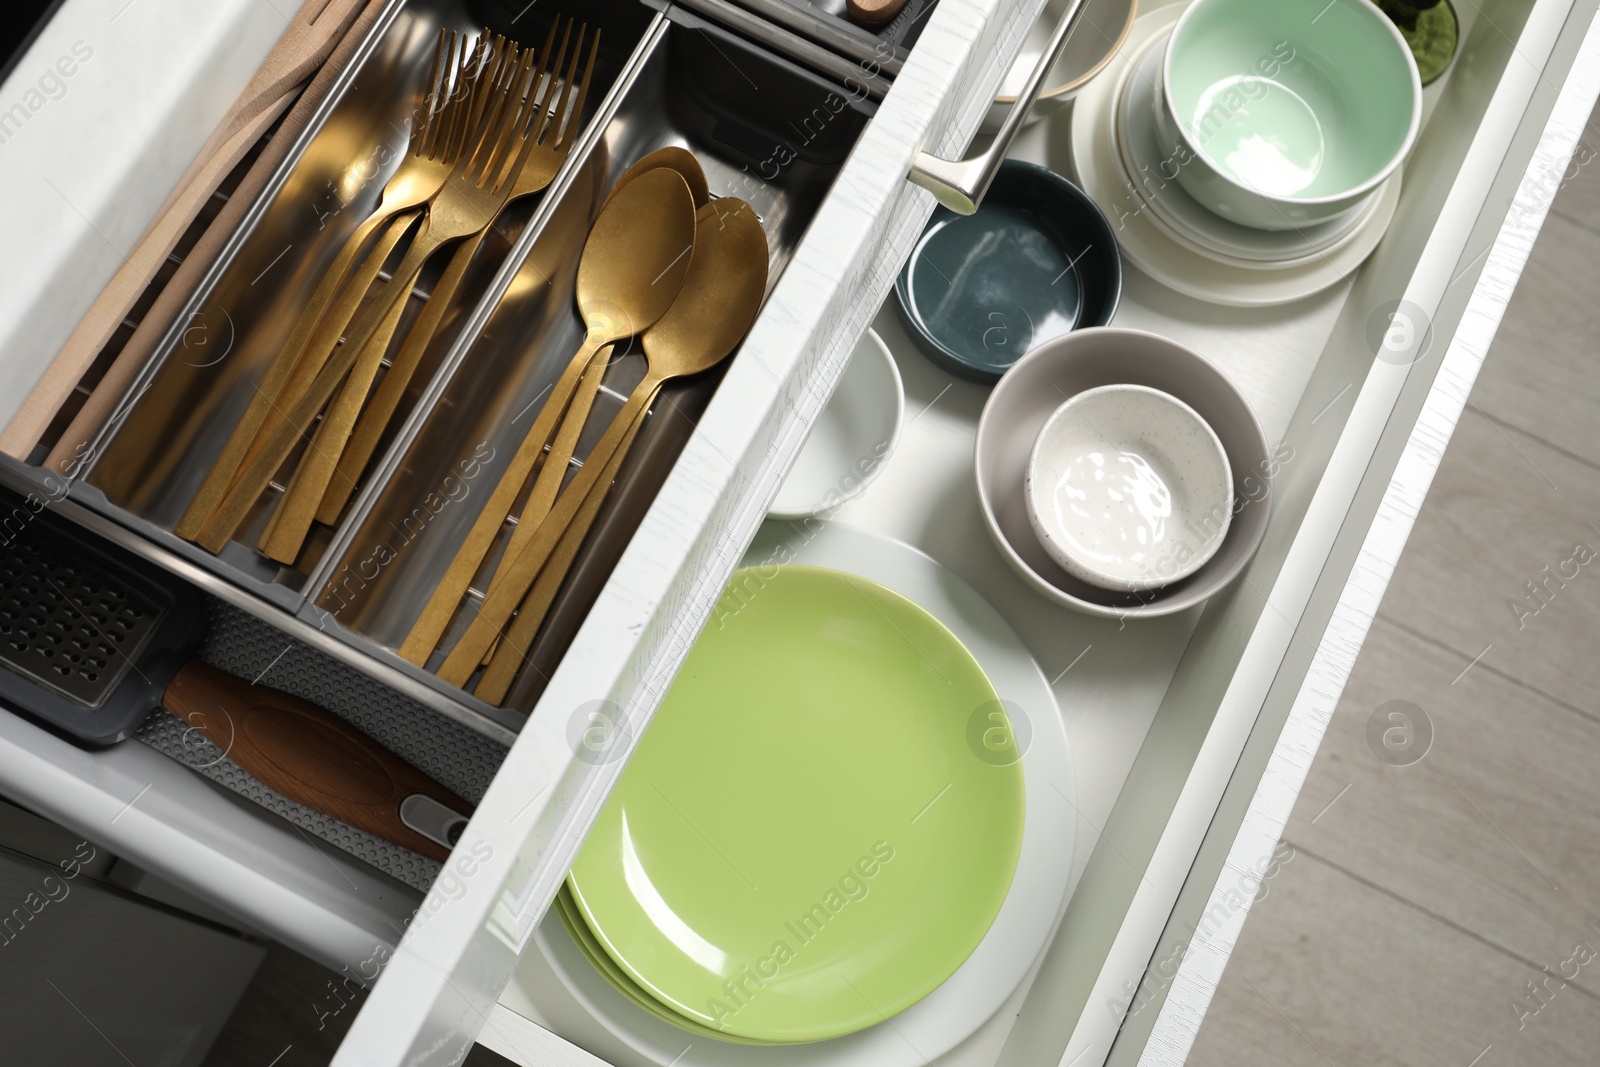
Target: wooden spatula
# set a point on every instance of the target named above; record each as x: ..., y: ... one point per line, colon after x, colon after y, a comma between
x: 305, y: 45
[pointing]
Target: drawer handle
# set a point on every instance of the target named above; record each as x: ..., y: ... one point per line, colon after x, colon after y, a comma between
x: 959, y: 184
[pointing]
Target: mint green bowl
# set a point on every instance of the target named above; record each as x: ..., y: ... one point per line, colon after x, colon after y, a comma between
x: 1284, y: 113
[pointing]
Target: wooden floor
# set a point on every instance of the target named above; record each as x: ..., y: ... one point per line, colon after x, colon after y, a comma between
x: 1446, y: 911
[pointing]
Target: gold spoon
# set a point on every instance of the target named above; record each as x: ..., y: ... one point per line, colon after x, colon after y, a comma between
x: 554, y: 469
x: 364, y: 440
x: 727, y: 280
x: 633, y: 265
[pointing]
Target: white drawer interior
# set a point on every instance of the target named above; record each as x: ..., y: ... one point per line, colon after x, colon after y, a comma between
x: 1159, y: 711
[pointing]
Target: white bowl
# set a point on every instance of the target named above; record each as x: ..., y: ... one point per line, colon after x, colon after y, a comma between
x: 1101, y: 30
x: 851, y: 440
x: 1129, y: 488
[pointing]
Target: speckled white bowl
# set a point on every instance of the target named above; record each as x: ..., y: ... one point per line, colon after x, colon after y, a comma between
x: 1128, y: 488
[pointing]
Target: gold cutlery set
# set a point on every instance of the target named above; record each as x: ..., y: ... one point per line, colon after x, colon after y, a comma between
x: 683, y: 272
x: 665, y: 263
x: 495, y: 123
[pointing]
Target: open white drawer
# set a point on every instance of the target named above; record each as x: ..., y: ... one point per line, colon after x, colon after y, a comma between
x: 1172, y: 721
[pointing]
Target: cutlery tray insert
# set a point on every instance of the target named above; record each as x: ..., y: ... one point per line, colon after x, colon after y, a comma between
x: 764, y: 130
x: 206, y: 371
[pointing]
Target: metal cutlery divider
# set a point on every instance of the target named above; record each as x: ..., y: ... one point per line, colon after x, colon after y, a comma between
x: 150, y: 463
x: 676, y: 82
x: 148, y: 460
x: 413, y: 518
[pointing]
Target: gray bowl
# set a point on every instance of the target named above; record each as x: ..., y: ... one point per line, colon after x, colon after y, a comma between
x: 1045, y: 379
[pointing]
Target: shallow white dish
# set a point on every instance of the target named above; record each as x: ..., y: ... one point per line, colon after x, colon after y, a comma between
x: 1180, y: 214
x: 853, y: 437
x: 1129, y: 488
x: 1150, y: 248
x: 951, y: 1013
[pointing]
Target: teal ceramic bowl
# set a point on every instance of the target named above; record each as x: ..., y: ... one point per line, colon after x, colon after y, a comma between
x: 1284, y: 113
x: 1038, y: 259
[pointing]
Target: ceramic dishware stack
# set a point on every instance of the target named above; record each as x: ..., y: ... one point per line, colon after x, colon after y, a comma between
x: 1120, y: 473
x: 1242, y: 157
x: 1283, y: 115
x: 788, y: 894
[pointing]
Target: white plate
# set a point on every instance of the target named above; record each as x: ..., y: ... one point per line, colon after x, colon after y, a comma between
x: 1147, y: 246
x: 951, y: 1013
x: 1181, y: 215
x: 853, y: 437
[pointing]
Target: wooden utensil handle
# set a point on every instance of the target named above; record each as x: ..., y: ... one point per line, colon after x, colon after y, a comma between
x: 873, y: 12
x: 310, y: 755
x: 306, y: 43
x: 117, y: 299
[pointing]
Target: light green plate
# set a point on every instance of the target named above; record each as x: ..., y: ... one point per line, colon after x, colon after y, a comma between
x: 815, y: 831
x: 591, y: 950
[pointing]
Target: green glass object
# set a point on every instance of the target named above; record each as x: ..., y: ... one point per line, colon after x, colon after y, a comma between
x: 807, y: 840
x: 1430, y: 28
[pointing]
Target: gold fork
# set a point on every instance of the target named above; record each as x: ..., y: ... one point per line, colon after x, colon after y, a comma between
x: 462, y: 131
x: 422, y: 171
x: 312, y: 481
x: 550, y: 142
x: 469, y: 198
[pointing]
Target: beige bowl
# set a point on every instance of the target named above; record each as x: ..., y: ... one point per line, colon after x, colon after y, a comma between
x: 1060, y: 369
x: 1101, y: 31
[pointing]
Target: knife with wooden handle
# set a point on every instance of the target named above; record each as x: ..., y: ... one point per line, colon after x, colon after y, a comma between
x: 315, y: 758
x: 304, y: 48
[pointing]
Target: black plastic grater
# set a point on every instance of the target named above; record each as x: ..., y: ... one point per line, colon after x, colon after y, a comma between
x: 91, y: 635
